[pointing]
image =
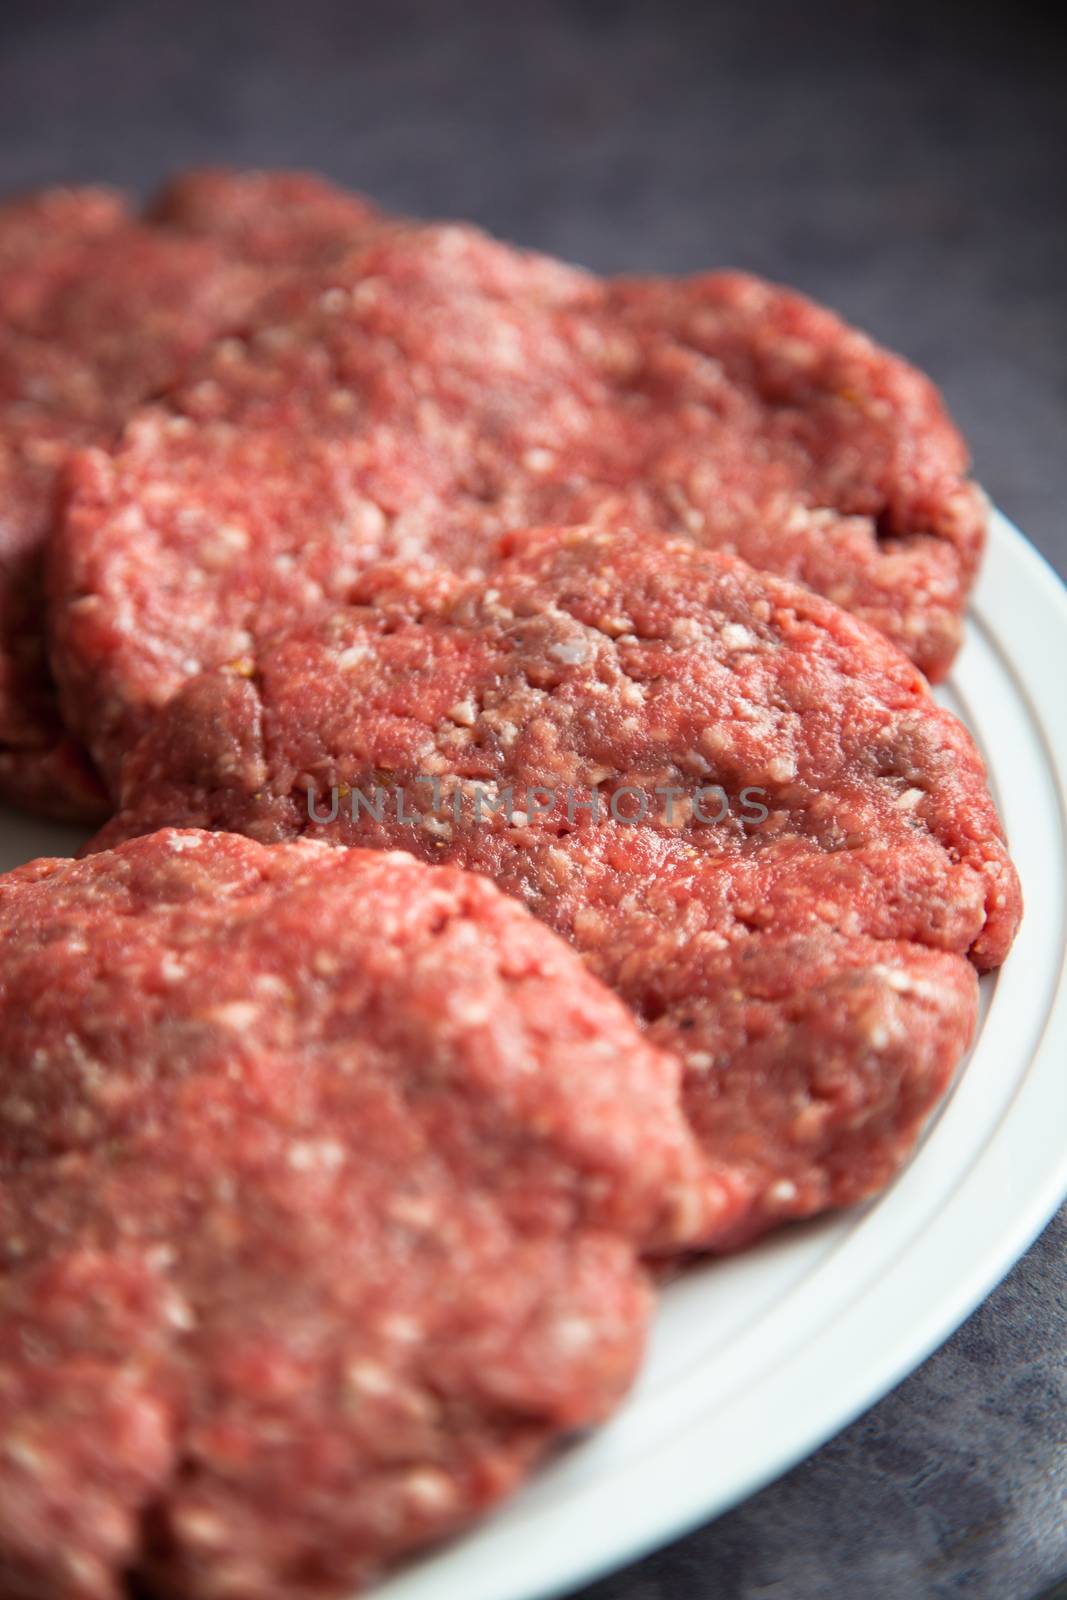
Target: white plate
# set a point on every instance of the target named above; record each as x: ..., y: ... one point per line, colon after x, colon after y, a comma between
x: 756, y: 1361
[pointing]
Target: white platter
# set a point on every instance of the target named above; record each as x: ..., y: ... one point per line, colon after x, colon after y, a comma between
x: 756, y: 1361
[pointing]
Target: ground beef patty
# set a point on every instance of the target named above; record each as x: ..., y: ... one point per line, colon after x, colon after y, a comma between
x: 814, y: 967
x: 287, y: 219
x: 45, y: 221
x: 40, y: 236
x: 437, y: 388
x: 99, y: 311
x: 322, y: 1181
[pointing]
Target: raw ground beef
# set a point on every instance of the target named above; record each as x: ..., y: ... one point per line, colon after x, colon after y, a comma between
x: 40, y: 225
x: 323, y: 1178
x: 98, y: 312
x: 436, y: 388
x: 279, y: 219
x: 40, y: 236
x: 815, y: 970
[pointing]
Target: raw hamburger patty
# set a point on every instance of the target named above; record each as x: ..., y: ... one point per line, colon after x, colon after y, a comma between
x: 815, y: 970
x: 98, y: 312
x: 437, y: 388
x: 286, y: 219
x: 46, y: 222
x: 322, y: 1181
x: 39, y: 237
x: 89, y: 327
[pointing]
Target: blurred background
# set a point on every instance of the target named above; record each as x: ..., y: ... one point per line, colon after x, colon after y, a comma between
x: 905, y: 163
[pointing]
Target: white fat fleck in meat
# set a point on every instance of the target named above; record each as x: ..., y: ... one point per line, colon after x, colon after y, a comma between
x: 781, y: 768
x: 735, y: 636
x: 570, y: 652
x: 305, y: 1155
x: 369, y: 1378
x: 464, y: 712
x: 430, y: 1489
x: 196, y: 1526
x: 437, y: 827
x: 236, y: 1014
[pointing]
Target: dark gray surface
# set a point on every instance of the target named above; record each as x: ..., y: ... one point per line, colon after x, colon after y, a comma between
x: 905, y: 164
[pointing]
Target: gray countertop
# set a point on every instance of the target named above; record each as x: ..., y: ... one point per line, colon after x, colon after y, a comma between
x: 905, y: 163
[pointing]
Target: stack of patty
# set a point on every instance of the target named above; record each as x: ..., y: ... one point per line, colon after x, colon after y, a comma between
x: 327, y: 1181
